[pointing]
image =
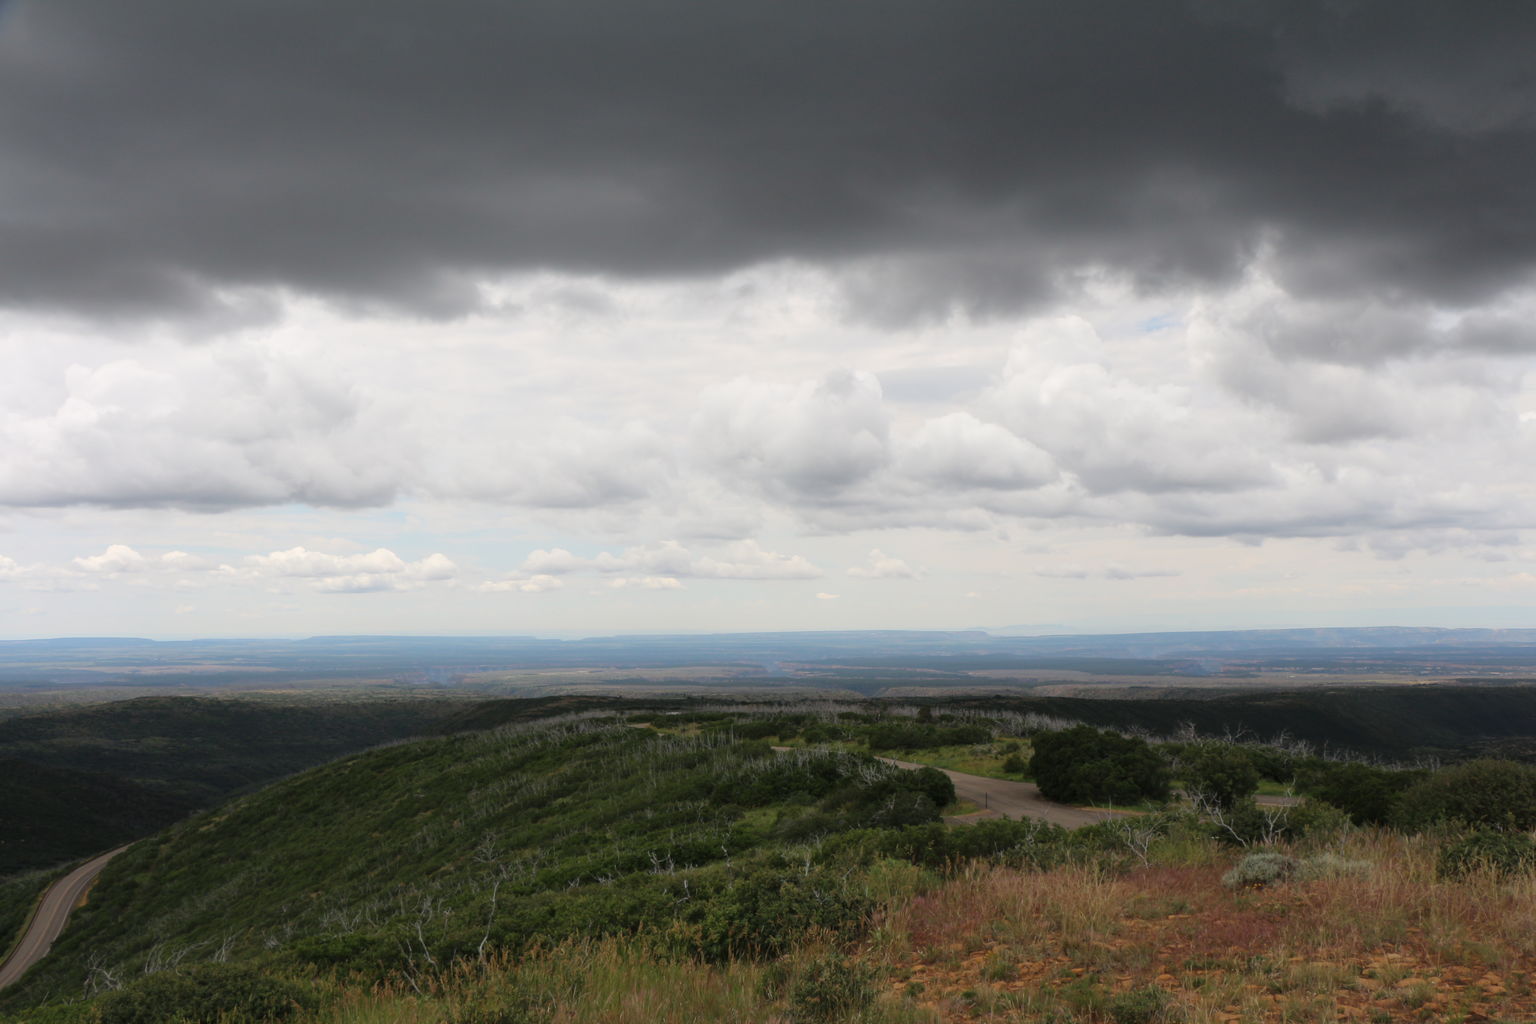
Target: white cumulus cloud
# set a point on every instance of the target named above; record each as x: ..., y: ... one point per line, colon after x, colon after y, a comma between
x: 740, y: 560
x: 377, y: 570
x: 811, y: 439
x: 646, y: 583
x: 117, y: 558
x: 881, y: 566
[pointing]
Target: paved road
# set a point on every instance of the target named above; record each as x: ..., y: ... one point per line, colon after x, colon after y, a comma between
x: 62, y: 897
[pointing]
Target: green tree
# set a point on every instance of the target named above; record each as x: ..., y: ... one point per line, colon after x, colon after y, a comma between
x: 1084, y: 765
x: 1218, y: 774
x: 1491, y: 850
x: 1364, y: 792
x: 1487, y: 793
x: 935, y: 785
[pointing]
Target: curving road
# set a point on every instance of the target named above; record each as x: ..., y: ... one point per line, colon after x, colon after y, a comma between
x: 52, y: 914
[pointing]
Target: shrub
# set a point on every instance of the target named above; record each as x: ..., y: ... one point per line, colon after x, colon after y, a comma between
x: 933, y: 784
x: 1220, y: 774
x: 1145, y: 1005
x: 1013, y: 764
x: 903, y: 807
x: 900, y: 797
x: 764, y: 913
x: 830, y: 988
x: 1084, y: 765
x: 1248, y: 824
x: 1269, y: 867
x: 1364, y: 792
x: 1025, y: 843
x: 1501, y: 853
x: 1316, y: 822
x: 1485, y: 793
x: 1264, y: 867
x: 205, y: 994
x: 1270, y: 763
x: 335, y: 950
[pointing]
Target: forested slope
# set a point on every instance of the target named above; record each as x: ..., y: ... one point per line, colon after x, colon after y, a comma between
x: 416, y: 853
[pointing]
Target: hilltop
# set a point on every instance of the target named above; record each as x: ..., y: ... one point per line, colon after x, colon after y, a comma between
x: 418, y: 853
x: 669, y: 864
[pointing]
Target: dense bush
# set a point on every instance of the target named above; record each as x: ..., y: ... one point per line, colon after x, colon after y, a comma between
x: 934, y: 784
x: 1025, y: 843
x: 1502, y: 853
x: 1364, y: 792
x: 823, y: 732
x: 1218, y: 774
x: 903, y: 807
x: 883, y: 797
x: 1083, y: 765
x: 762, y: 914
x: 206, y: 994
x: 831, y: 988
x: 1487, y: 793
x: 1271, y: 763
x: 1316, y: 822
x: 808, y: 776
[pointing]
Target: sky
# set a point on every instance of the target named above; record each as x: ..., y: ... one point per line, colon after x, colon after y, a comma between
x: 601, y: 316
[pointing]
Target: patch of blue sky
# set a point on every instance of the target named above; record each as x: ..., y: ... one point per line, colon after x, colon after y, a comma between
x: 1161, y: 322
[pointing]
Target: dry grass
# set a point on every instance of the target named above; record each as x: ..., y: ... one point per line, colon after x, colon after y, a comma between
x: 1164, y: 944
x: 609, y: 981
x: 613, y: 981
x: 1396, y: 944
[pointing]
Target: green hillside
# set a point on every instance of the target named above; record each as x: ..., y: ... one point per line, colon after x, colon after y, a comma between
x: 589, y: 870
x: 414, y: 854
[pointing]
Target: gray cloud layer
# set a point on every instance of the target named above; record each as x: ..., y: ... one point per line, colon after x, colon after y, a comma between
x: 166, y: 159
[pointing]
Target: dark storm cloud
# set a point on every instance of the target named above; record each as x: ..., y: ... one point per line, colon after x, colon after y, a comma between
x: 171, y: 158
